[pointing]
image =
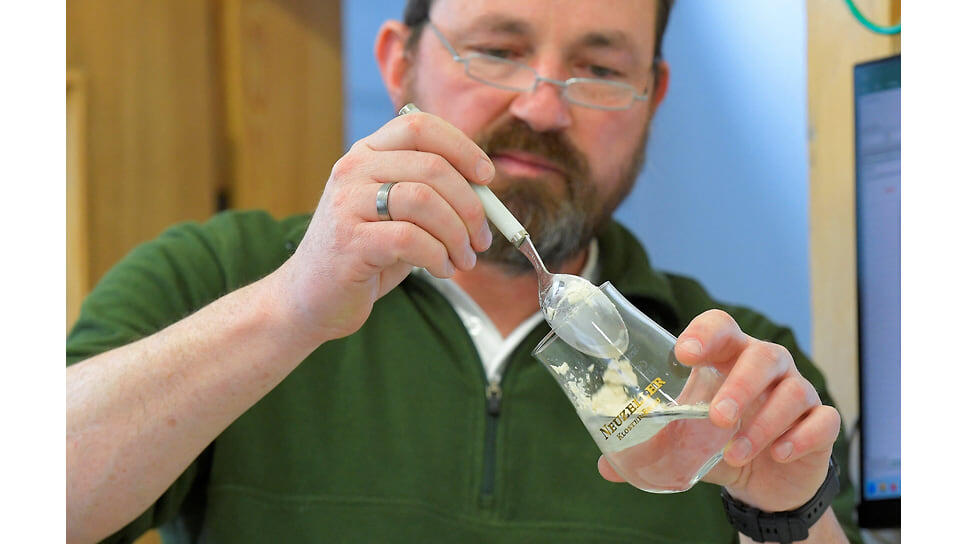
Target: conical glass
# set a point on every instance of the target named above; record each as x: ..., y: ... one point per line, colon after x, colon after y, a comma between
x: 648, y: 413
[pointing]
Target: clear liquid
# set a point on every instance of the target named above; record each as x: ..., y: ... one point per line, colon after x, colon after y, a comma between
x: 666, y: 450
x: 639, y: 428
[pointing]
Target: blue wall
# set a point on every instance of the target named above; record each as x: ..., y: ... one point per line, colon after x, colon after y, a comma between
x: 724, y: 194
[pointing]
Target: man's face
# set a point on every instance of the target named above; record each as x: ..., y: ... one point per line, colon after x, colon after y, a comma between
x: 561, y: 168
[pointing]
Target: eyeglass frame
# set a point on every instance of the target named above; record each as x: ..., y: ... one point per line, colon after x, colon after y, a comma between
x: 538, y: 78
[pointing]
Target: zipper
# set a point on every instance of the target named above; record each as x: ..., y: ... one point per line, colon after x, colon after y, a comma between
x: 492, y: 404
x: 492, y: 398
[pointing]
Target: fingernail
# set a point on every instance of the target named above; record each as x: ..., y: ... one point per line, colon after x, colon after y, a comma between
x: 485, y: 170
x: 784, y: 450
x: 470, y: 257
x: 449, y: 268
x: 691, y: 346
x: 486, y: 235
x: 727, y: 408
x: 740, y: 449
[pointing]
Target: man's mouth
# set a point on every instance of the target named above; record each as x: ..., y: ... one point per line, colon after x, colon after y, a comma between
x: 521, y: 164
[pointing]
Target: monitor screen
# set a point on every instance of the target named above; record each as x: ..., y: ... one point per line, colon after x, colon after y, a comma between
x: 877, y: 109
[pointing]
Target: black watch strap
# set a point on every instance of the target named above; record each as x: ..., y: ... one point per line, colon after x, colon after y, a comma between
x: 789, y: 526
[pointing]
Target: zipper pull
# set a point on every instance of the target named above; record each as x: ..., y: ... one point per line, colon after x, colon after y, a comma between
x: 493, y: 395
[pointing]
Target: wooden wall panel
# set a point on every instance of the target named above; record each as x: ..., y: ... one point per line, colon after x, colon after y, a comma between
x: 835, y: 43
x: 150, y: 130
x: 283, y: 89
x: 78, y: 265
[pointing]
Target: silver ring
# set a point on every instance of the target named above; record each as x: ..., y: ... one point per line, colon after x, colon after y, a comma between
x: 383, y: 201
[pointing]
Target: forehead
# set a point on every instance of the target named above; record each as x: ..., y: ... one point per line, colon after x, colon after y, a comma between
x: 566, y: 23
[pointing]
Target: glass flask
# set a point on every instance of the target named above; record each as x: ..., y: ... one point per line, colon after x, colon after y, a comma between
x: 647, y: 412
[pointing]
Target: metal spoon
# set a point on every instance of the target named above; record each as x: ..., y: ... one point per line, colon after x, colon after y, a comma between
x: 578, y: 311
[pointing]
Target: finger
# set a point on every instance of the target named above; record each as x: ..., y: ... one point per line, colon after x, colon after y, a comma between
x: 439, y: 174
x: 421, y: 205
x: 392, y: 276
x: 421, y: 131
x: 790, y: 400
x: 384, y: 244
x: 815, y: 433
x: 756, y: 369
x: 607, y: 472
x: 712, y: 337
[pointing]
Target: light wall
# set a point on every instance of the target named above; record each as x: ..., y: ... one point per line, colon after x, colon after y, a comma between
x: 724, y: 194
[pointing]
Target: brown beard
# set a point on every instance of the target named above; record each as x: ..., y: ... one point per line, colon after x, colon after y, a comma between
x: 560, y: 228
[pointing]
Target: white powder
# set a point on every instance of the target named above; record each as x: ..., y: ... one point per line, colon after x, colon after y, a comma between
x: 619, y: 387
x: 561, y: 369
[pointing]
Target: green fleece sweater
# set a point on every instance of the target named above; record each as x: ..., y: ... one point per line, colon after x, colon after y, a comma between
x: 388, y: 435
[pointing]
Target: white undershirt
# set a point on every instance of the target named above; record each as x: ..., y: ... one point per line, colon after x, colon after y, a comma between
x: 493, y: 348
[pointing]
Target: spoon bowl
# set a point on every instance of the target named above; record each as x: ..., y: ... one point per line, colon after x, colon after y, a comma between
x: 578, y: 311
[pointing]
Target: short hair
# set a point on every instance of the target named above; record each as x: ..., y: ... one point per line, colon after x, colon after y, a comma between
x: 417, y: 13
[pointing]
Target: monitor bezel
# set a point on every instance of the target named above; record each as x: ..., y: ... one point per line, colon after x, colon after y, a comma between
x: 871, y: 513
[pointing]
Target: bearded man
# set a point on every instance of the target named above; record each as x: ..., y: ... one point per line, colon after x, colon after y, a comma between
x: 364, y: 374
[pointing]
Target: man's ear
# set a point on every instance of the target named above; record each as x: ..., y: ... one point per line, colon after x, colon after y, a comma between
x: 393, y: 60
x: 661, y: 85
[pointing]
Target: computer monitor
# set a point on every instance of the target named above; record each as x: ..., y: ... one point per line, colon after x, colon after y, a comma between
x: 877, y: 139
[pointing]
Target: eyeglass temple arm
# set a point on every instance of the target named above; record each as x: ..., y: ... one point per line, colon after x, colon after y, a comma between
x: 655, y: 66
x: 443, y: 40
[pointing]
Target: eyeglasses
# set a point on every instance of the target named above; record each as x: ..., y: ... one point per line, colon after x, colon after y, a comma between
x: 511, y: 75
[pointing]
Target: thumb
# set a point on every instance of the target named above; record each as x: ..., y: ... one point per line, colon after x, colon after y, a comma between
x: 607, y: 472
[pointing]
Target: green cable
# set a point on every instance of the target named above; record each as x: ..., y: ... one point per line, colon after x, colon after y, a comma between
x: 896, y: 29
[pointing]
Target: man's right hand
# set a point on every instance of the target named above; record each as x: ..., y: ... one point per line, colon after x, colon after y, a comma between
x: 349, y: 257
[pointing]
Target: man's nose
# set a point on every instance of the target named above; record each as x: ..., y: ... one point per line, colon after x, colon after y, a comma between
x: 543, y: 109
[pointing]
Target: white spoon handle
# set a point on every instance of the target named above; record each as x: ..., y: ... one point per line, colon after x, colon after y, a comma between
x: 500, y: 216
x: 496, y: 211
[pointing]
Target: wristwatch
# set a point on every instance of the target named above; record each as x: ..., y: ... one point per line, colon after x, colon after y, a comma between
x: 783, y: 527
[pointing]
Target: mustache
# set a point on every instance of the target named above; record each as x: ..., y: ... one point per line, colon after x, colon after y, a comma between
x: 560, y: 226
x: 516, y: 135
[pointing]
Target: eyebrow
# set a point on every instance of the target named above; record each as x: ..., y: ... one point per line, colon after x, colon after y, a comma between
x: 501, y: 24
x: 615, y: 40
x: 610, y: 40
